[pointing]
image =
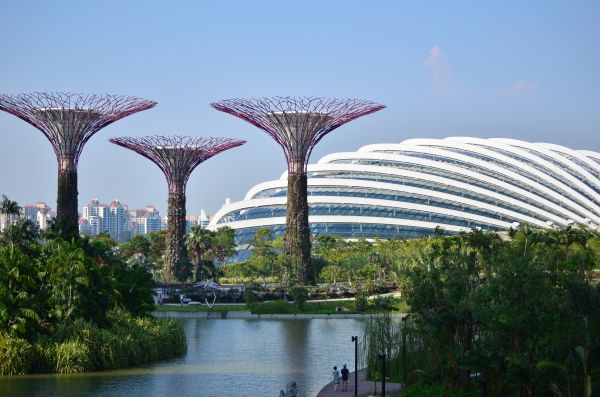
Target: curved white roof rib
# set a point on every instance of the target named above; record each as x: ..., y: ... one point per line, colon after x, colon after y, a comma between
x: 533, y: 186
x: 580, y: 156
x: 512, y: 181
x: 466, y: 144
x: 565, y: 162
x: 414, y: 145
x: 490, y: 193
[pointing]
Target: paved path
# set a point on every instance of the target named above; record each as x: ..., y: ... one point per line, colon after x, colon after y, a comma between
x: 364, y: 387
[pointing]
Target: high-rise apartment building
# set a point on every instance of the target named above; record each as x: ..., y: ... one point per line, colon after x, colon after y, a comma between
x: 100, y: 218
x: 38, y: 213
x: 119, y: 223
x: 147, y: 220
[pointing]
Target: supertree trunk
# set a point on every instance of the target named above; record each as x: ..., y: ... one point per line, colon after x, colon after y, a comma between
x: 177, y: 157
x: 176, y: 260
x: 297, y: 125
x: 67, y: 215
x: 297, y: 230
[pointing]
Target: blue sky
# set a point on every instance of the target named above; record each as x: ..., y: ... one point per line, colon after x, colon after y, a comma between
x: 527, y: 70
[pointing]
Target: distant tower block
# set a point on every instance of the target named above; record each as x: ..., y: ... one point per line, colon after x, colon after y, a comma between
x: 297, y: 125
x: 177, y: 157
x: 69, y: 121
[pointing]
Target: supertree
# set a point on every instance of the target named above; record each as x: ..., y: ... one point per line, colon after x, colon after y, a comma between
x: 177, y: 157
x: 297, y: 124
x: 69, y: 121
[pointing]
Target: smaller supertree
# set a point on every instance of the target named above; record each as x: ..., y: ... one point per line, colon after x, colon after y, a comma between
x: 69, y: 121
x: 177, y: 157
x: 297, y: 124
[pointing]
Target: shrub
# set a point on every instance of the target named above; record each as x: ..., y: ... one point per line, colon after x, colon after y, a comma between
x: 15, y: 355
x: 300, y: 295
x: 361, y: 300
x: 249, y: 296
x: 82, y: 346
x: 72, y: 357
x: 384, y: 303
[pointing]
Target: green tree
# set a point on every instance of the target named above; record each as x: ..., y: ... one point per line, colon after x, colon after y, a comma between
x: 138, y: 244
x: 224, y: 244
x: 331, y: 273
x: 8, y: 209
x: 157, y: 248
x: 68, y: 278
x: 263, y: 257
x: 19, y: 309
x: 200, y: 243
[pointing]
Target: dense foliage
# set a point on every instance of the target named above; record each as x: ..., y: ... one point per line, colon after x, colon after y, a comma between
x: 82, y: 345
x: 517, y: 316
x: 49, y: 285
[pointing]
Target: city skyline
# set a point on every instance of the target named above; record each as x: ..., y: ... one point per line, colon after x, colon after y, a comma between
x: 528, y: 73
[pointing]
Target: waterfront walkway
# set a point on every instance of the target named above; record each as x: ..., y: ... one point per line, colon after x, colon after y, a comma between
x: 364, y: 387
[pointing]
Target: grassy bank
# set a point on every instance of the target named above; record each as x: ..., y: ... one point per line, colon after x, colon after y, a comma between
x: 200, y: 308
x: 82, y: 346
x: 282, y: 307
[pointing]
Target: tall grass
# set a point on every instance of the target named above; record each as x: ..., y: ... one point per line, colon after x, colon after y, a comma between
x: 381, y: 335
x: 15, y: 355
x: 405, y: 350
x: 82, y: 346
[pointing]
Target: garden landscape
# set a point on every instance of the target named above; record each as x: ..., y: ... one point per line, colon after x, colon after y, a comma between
x: 415, y: 212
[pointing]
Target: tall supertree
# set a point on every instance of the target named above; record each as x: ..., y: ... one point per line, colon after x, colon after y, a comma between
x: 69, y: 121
x: 297, y: 125
x: 177, y: 157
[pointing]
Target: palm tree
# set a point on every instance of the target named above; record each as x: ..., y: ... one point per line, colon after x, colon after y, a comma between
x: 200, y: 242
x: 17, y: 287
x: 8, y: 209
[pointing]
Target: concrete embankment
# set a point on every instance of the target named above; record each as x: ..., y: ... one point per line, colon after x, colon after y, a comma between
x: 249, y: 315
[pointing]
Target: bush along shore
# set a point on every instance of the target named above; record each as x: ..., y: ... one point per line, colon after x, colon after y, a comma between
x: 76, y: 306
x: 82, y: 346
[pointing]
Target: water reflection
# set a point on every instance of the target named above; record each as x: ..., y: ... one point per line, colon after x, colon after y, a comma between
x: 225, y: 358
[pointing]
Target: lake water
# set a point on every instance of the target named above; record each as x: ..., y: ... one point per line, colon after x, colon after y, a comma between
x: 225, y: 357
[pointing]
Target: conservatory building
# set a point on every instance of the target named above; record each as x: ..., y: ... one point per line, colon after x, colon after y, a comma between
x: 416, y: 187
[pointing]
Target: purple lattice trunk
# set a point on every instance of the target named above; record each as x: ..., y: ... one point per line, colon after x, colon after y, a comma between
x: 176, y: 260
x: 67, y: 215
x: 297, y: 230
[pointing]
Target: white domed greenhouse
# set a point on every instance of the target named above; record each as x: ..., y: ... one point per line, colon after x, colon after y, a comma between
x: 409, y: 189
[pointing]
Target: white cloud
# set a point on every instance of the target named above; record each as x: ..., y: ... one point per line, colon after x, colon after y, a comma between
x: 441, y: 72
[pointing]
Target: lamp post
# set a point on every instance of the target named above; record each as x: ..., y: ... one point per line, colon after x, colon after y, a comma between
x: 382, y: 358
x: 355, y: 340
x: 404, y: 348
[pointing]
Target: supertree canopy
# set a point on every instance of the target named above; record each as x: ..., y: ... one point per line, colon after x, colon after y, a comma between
x: 297, y: 124
x: 177, y: 157
x: 69, y: 121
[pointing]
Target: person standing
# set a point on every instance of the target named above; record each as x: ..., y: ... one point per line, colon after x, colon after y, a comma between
x: 335, y: 376
x: 345, y: 374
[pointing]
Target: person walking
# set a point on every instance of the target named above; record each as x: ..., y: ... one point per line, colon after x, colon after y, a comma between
x: 335, y: 376
x: 345, y: 374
